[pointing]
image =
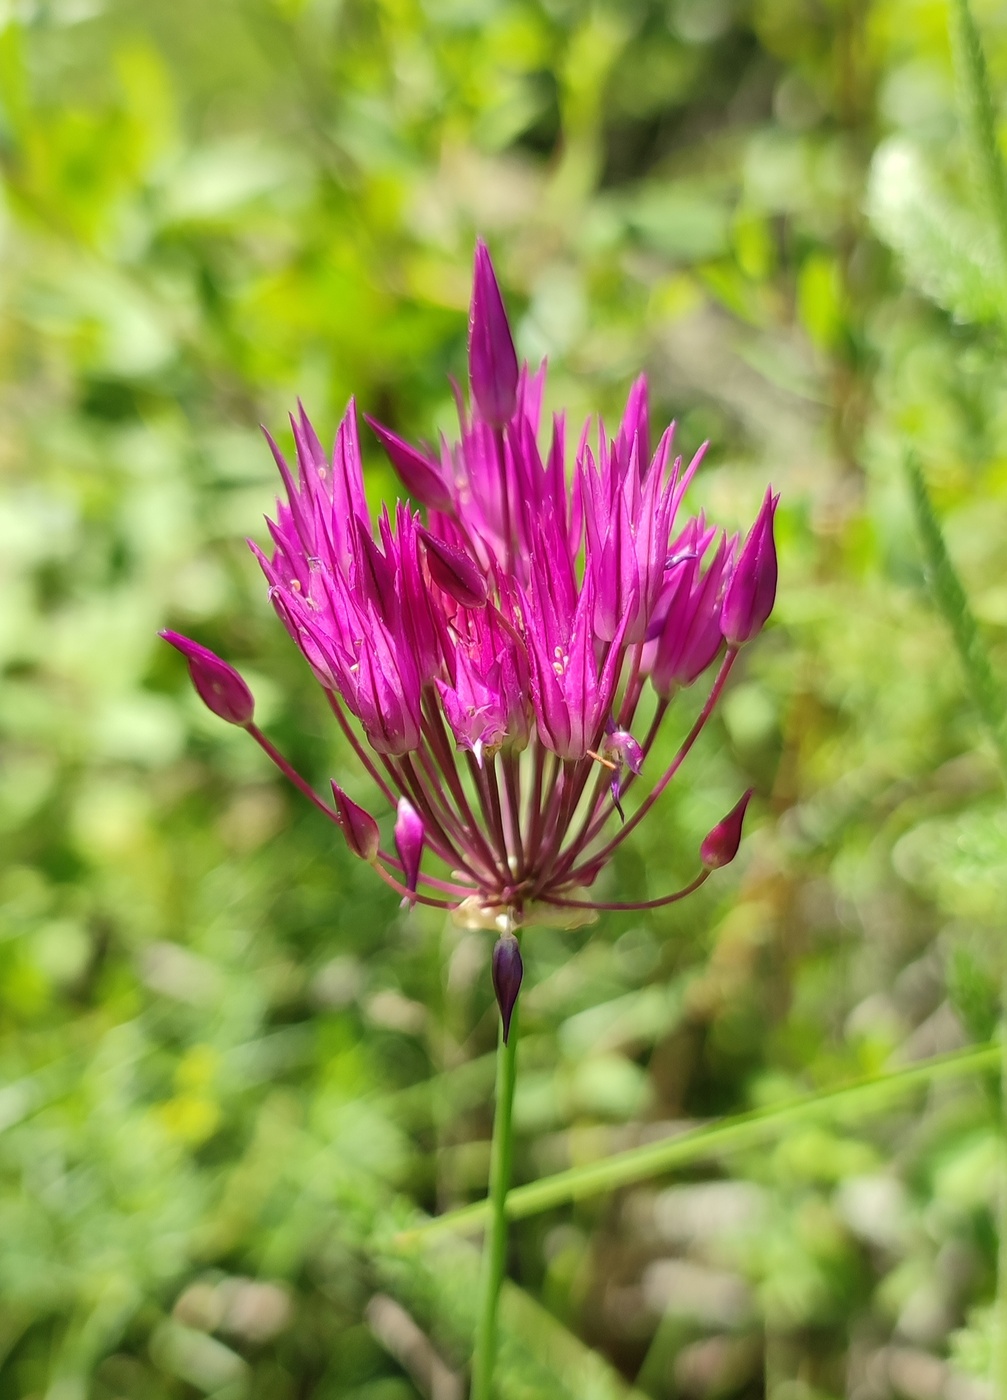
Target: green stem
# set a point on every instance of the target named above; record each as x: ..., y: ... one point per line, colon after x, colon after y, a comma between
x: 1000, y: 1314
x: 495, y: 1247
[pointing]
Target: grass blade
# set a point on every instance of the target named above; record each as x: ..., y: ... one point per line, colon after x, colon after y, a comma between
x: 710, y: 1140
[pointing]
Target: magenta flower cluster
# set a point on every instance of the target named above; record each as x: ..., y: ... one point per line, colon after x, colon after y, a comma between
x: 489, y: 657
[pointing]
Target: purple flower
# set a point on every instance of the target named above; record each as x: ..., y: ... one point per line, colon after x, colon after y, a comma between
x: 687, y: 628
x: 488, y: 662
x: 751, y: 592
x: 493, y: 371
x: 218, y: 684
x: 721, y: 844
x: 359, y: 827
x: 409, y: 836
x: 420, y: 476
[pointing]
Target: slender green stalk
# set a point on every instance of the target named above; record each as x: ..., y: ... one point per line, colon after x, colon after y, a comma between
x: 980, y: 683
x: 713, y: 1139
x: 495, y: 1247
x: 949, y: 595
x: 980, y: 117
x: 999, y: 1359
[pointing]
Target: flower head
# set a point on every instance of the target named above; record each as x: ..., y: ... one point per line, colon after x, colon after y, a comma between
x: 502, y: 664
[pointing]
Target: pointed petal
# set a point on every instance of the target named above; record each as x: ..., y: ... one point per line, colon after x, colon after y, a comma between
x: 420, y: 476
x: 493, y: 367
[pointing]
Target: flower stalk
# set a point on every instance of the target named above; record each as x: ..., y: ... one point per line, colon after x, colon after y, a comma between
x: 495, y: 1248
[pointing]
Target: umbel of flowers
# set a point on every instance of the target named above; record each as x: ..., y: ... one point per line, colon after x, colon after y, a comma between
x: 487, y: 645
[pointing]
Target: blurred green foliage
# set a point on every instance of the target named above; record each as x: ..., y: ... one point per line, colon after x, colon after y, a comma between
x: 231, y: 1068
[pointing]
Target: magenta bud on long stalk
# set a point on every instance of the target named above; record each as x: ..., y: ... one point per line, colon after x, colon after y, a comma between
x: 508, y: 970
x: 358, y: 826
x: 217, y: 683
x: 721, y: 845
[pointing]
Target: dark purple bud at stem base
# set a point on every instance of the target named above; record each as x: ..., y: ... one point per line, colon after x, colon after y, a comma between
x: 508, y: 970
x: 721, y: 845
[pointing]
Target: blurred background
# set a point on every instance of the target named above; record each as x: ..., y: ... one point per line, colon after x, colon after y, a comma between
x: 231, y: 1067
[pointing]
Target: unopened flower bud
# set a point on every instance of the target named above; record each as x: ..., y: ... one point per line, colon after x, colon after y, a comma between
x: 358, y: 826
x: 751, y: 592
x: 409, y: 834
x: 721, y: 845
x: 421, y: 477
x: 218, y: 684
x: 508, y: 970
x: 493, y: 368
x: 455, y: 571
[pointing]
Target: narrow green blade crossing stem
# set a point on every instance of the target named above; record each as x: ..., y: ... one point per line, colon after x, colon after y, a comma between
x: 495, y: 1247
x: 711, y: 1139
